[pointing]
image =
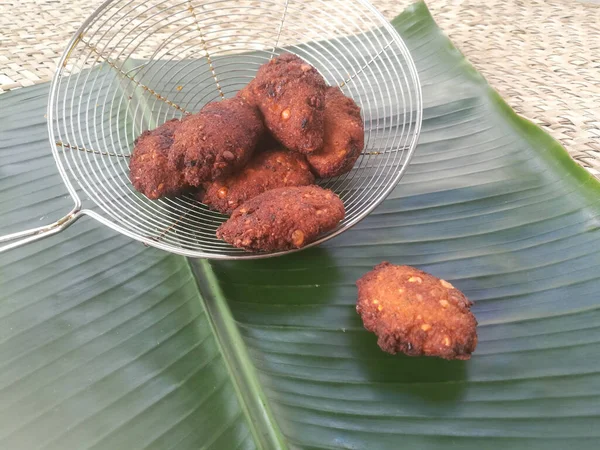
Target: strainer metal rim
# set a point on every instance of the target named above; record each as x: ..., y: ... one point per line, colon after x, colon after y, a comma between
x: 77, y: 211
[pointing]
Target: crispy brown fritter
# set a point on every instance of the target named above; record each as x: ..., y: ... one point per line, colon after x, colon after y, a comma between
x: 416, y: 313
x: 344, y: 137
x: 266, y: 170
x: 290, y: 93
x: 149, y: 170
x: 216, y: 141
x: 282, y: 219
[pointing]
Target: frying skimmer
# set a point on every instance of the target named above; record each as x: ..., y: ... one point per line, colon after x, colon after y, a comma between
x: 133, y: 65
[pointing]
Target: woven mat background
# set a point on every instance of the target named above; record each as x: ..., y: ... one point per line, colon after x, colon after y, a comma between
x: 542, y: 56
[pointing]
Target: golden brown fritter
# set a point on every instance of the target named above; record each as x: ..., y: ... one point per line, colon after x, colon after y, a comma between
x: 266, y: 170
x: 282, y: 219
x: 216, y: 141
x: 416, y: 313
x: 344, y: 137
x: 149, y: 170
x: 290, y: 94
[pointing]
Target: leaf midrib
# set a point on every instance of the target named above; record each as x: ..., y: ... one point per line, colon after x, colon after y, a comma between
x: 242, y: 373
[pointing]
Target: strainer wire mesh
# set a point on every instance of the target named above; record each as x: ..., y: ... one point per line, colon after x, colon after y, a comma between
x: 134, y: 65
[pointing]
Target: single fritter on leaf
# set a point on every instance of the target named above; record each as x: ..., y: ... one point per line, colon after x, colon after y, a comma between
x: 216, y: 141
x: 416, y: 313
x: 283, y: 219
x: 344, y: 137
x: 290, y: 93
x: 266, y: 170
x: 149, y: 170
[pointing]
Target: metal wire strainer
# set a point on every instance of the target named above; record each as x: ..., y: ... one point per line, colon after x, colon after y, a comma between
x: 136, y: 64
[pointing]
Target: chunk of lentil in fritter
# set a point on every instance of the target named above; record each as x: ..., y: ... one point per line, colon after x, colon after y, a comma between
x: 344, y: 137
x: 149, y: 170
x: 290, y: 94
x: 283, y: 219
x: 416, y: 313
x: 266, y: 170
x: 216, y: 141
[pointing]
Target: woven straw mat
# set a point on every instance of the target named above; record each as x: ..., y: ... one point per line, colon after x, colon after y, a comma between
x: 542, y: 56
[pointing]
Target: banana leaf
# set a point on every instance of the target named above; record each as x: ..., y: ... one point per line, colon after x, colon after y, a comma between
x: 106, y: 344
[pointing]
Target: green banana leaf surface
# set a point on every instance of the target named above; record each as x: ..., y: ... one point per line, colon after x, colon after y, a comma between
x: 107, y: 344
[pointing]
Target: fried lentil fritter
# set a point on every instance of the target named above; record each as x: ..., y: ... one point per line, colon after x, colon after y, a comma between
x: 344, y: 137
x: 149, y: 170
x: 266, y: 170
x: 416, y: 313
x: 216, y: 141
x: 290, y: 93
x: 282, y: 219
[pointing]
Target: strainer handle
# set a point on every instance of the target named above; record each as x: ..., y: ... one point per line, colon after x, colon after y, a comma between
x: 25, y: 237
